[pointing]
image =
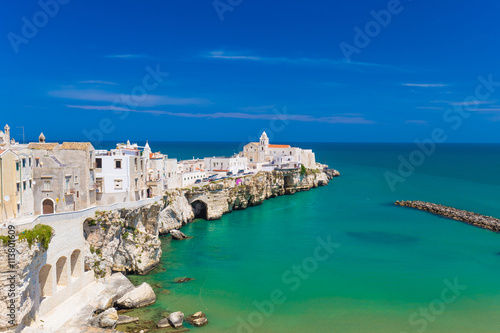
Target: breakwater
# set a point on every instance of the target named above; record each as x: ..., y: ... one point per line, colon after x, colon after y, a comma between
x: 477, y: 220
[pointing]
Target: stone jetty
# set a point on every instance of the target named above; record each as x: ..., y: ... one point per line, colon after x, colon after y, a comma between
x: 477, y: 220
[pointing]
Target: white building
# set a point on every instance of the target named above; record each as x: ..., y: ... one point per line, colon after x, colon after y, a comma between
x: 263, y: 155
x: 121, y: 174
x: 226, y: 164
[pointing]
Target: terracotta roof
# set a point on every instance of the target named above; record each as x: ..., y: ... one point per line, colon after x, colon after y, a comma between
x: 279, y: 146
x: 254, y: 143
x: 75, y: 145
x: 36, y: 145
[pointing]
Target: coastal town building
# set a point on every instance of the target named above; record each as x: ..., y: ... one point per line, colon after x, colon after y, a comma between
x: 263, y: 155
x: 232, y: 164
x: 171, y: 178
x: 121, y: 174
x: 63, y: 176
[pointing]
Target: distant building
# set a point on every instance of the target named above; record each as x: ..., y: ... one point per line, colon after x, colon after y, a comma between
x: 226, y: 164
x: 262, y: 154
x: 63, y: 175
x: 121, y: 174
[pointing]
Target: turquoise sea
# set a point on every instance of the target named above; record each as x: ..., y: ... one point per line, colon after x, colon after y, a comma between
x: 393, y: 269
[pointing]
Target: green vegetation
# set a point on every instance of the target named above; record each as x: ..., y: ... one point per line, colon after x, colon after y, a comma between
x: 41, y: 233
x: 92, y: 249
x: 125, y: 235
x: 92, y: 223
x: 303, y: 170
x: 98, y: 252
x: 5, y: 240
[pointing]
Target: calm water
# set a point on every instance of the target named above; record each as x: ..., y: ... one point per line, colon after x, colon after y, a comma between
x: 390, y: 273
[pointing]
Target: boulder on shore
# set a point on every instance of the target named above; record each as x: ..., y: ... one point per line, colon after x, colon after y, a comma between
x: 177, y: 235
x: 106, y: 319
x: 198, y: 319
x: 175, y: 319
x: 163, y: 323
x: 140, y: 296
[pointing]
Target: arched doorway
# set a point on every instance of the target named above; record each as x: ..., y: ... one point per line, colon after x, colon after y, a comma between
x: 76, y: 264
x: 45, y: 280
x: 47, y: 206
x: 61, y: 272
x: 199, y: 209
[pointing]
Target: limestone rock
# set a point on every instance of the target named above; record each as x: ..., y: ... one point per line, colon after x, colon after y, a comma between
x: 177, y: 235
x: 122, y: 319
x: 104, y: 301
x: 107, y: 319
x: 163, y: 323
x: 175, y: 319
x: 198, y: 319
x: 178, y: 212
x: 125, y: 240
x: 140, y: 296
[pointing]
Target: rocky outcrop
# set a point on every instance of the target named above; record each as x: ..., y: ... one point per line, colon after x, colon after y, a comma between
x: 125, y: 240
x: 198, y: 319
x: 177, y: 235
x: 213, y: 200
x: 107, y: 319
x: 176, y: 214
x: 477, y: 220
x: 20, y: 281
x: 140, y: 296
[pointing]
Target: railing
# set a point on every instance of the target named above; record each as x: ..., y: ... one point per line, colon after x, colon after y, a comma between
x: 25, y: 223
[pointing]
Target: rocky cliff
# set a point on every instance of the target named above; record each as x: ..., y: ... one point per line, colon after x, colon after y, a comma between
x: 127, y: 240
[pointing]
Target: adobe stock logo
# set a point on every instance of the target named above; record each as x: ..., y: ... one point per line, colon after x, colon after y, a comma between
x: 48, y: 9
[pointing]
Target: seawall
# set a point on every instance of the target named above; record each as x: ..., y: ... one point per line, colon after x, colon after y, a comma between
x: 477, y: 220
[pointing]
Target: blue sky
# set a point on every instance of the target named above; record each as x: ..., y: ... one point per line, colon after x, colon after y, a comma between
x: 239, y: 67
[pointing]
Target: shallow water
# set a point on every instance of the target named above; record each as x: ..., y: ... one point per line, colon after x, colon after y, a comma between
x: 390, y: 269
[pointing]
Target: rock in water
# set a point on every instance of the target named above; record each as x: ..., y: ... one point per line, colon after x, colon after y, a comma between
x: 163, y: 323
x: 140, y: 296
x: 177, y: 235
x: 175, y: 319
x: 198, y: 319
x: 182, y: 280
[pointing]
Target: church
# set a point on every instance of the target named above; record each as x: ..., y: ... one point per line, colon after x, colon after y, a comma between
x: 262, y: 155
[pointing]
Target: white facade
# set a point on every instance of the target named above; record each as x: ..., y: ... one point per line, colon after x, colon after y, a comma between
x: 263, y: 155
x: 121, y: 174
x: 226, y: 164
x: 189, y: 178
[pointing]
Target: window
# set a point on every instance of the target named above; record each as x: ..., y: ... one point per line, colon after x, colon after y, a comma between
x: 118, y: 183
x: 37, y: 162
x: 18, y: 187
x: 24, y: 163
x: 98, y: 163
x: 46, y: 185
x: 67, y: 184
x: 136, y: 183
x: 17, y: 166
x: 31, y: 183
x: 76, y: 179
x: 118, y: 164
x: 135, y: 163
x: 24, y: 185
x: 29, y: 161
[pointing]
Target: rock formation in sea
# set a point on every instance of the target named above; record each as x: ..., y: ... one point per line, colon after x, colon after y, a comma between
x: 127, y: 240
x: 477, y: 220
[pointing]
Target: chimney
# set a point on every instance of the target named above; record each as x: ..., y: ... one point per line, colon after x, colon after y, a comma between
x: 41, y: 138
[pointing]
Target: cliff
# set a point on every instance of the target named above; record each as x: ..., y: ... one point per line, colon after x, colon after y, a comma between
x: 127, y: 240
